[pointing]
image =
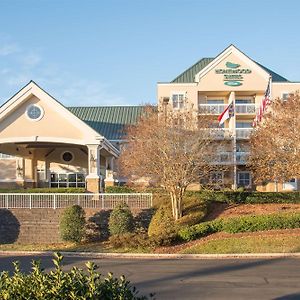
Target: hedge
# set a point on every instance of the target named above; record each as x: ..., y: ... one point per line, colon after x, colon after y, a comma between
x: 118, y: 189
x: 241, y: 224
x: 250, y: 197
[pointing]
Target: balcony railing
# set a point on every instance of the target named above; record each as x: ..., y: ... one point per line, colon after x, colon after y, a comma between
x: 226, y: 158
x: 243, y: 133
x: 218, y: 133
x: 216, y: 109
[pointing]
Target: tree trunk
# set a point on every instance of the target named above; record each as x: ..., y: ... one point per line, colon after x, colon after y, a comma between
x: 176, y: 200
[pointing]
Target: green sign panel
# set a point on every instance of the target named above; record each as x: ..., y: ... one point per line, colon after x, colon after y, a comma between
x: 233, y: 74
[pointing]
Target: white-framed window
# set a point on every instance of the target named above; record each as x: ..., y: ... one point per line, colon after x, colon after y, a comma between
x: 34, y: 112
x: 285, y: 95
x: 178, y: 99
x: 216, y: 177
x: 65, y: 180
x: 244, y: 100
x: 244, y: 178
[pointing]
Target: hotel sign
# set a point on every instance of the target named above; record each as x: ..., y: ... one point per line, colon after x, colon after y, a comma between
x: 233, y: 74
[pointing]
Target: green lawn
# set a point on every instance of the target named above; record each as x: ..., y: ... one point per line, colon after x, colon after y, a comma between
x: 251, y: 244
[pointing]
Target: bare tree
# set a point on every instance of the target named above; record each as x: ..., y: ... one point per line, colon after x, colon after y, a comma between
x: 172, y: 149
x: 275, y: 143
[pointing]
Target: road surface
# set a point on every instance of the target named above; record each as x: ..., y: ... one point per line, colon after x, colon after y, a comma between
x: 277, y: 278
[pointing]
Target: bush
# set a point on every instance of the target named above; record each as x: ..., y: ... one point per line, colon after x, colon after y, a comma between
x: 121, y: 220
x: 241, y: 224
x: 118, y: 189
x: 57, y: 284
x: 162, y: 228
x: 138, y: 240
x: 262, y: 222
x: 72, y: 224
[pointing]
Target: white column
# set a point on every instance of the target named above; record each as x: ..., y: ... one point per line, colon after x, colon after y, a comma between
x: 20, y: 169
x: 93, y: 161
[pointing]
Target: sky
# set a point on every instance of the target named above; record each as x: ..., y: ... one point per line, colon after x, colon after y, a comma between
x: 113, y: 52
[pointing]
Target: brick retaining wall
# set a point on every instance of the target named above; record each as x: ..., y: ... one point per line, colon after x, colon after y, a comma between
x: 29, y: 226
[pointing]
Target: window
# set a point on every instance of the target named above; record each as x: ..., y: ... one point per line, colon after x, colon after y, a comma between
x: 178, y: 100
x: 59, y: 180
x: 244, y: 100
x: 67, y: 156
x: 215, y: 101
x: 290, y: 185
x: 34, y: 112
x: 216, y: 178
x: 244, y: 179
x: 285, y: 96
x: 243, y: 124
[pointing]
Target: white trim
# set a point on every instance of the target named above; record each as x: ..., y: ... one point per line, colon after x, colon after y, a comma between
x: 39, y: 107
x: 231, y: 49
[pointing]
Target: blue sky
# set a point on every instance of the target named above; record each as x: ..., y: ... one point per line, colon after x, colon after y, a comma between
x: 114, y: 52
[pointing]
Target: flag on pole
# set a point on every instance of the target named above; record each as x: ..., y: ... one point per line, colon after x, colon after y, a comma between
x: 266, y: 101
x: 227, y: 113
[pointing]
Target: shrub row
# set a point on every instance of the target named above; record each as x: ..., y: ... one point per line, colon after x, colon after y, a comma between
x: 241, y: 224
x: 250, y: 197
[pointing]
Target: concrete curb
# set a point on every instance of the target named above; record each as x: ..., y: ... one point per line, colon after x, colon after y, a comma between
x: 154, y: 256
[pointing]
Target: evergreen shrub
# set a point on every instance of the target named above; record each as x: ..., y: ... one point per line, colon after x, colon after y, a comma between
x: 121, y: 220
x: 61, y: 285
x: 72, y: 224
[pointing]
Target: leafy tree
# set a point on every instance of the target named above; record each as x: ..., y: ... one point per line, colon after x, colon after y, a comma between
x: 171, y: 149
x: 275, y: 143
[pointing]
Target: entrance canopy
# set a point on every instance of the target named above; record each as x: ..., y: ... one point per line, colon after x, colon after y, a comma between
x: 37, y: 128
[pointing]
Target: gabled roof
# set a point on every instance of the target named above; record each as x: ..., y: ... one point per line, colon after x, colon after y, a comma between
x: 188, y: 76
x: 109, y: 121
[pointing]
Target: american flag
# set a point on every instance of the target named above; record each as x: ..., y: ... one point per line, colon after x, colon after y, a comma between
x: 266, y: 101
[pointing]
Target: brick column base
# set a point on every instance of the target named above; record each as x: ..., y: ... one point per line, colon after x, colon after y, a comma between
x: 93, y: 185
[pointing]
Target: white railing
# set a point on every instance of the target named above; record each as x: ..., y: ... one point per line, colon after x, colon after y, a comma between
x: 243, y: 133
x: 214, y: 109
x: 217, y: 109
x: 245, y: 108
x: 85, y: 200
x: 218, y: 133
x: 227, y: 158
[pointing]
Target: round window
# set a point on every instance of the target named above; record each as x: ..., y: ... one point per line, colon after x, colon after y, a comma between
x: 34, y: 112
x: 67, y: 156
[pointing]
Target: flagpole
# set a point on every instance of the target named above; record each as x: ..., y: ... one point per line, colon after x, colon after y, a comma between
x: 234, y: 186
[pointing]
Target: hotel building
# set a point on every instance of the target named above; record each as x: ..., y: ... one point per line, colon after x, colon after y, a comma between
x: 45, y: 144
x: 206, y: 87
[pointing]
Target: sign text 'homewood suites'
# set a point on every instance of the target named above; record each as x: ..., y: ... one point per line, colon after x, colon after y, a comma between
x: 233, y: 74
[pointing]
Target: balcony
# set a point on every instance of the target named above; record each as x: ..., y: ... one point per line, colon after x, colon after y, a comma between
x: 243, y: 133
x: 217, y: 109
x: 226, y: 158
x: 218, y: 133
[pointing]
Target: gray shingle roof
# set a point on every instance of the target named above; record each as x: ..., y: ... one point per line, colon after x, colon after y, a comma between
x: 109, y: 121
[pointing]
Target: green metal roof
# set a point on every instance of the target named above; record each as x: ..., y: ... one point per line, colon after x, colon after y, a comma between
x: 188, y: 76
x: 109, y: 121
